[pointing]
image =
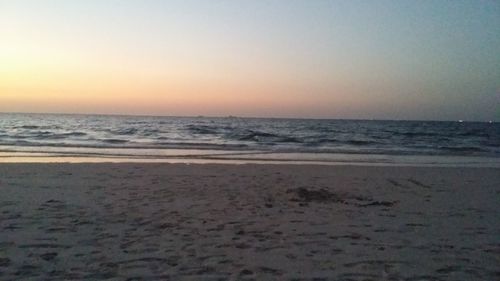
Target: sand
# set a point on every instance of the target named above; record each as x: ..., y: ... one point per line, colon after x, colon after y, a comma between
x: 248, y: 222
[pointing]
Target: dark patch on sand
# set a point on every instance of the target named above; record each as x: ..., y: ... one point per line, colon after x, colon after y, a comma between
x: 304, y: 195
x: 309, y: 195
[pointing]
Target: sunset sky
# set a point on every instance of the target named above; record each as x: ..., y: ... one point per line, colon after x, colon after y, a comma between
x: 271, y: 58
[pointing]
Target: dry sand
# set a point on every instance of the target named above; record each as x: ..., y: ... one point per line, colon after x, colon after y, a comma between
x: 248, y: 222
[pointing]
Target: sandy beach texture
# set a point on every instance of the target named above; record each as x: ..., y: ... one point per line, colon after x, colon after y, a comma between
x: 248, y: 222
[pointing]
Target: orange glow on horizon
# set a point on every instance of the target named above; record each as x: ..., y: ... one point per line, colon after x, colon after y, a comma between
x: 48, y: 78
x: 251, y: 58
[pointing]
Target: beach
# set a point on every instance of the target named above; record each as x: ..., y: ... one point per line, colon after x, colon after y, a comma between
x: 250, y: 140
x: 142, y: 221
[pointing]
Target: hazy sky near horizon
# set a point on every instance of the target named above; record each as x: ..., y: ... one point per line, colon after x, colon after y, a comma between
x: 281, y: 58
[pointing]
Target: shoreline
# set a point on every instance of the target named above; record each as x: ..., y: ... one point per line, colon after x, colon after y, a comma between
x: 278, y: 158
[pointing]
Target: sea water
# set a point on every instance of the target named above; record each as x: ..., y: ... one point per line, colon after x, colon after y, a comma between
x: 247, y: 139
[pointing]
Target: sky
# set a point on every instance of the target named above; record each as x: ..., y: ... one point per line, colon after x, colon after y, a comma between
x: 426, y: 60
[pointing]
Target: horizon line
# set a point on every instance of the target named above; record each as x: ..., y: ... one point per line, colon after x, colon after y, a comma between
x: 249, y: 117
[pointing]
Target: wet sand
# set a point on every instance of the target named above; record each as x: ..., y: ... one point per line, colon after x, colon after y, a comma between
x: 248, y: 222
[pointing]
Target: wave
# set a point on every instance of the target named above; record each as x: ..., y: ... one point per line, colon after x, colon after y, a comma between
x: 413, y: 134
x: 124, y: 144
x: 326, y: 140
x: 75, y: 134
x: 124, y: 132
x: 115, y: 141
x: 190, y: 145
x: 29, y: 127
x: 320, y: 146
x: 202, y: 129
x: 474, y: 133
x: 361, y: 142
x: 263, y: 137
x: 255, y: 136
x: 462, y: 148
x: 319, y: 142
x: 114, y: 148
x: 47, y: 135
x: 37, y: 127
x: 150, y: 132
x: 289, y: 140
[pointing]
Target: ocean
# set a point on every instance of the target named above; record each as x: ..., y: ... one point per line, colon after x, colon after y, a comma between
x: 184, y: 139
